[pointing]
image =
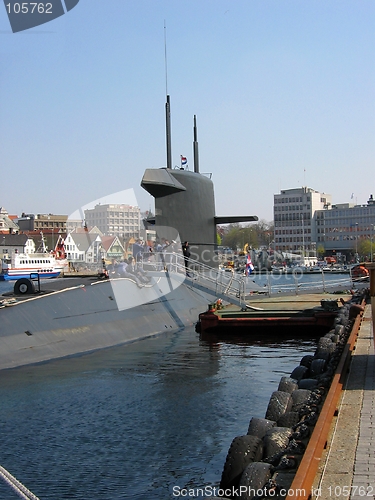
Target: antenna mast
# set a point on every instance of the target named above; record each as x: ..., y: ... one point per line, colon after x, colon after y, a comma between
x: 195, y: 147
x: 167, y: 106
x: 165, y: 58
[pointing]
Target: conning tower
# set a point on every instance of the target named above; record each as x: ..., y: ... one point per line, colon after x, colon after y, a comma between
x: 185, y: 201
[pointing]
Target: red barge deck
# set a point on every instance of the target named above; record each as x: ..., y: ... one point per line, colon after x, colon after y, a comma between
x: 305, y: 313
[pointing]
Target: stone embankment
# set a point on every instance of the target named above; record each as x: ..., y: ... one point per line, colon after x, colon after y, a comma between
x: 262, y: 464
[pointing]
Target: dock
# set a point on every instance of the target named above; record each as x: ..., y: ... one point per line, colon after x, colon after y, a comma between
x: 346, y: 468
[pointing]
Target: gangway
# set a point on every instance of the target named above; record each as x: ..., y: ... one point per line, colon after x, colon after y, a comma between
x: 217, y: 282
x: 224, y: 285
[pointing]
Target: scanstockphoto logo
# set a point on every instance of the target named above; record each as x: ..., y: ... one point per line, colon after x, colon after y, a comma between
x: 25, y: 15
x: 142, y: 266
x: 148, y: 275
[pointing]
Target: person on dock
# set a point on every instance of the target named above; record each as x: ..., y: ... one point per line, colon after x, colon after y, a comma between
x: 138, y: 249
x: 126, y: 270
x: 249, y: 264
x: 111, y: 268
x: 137, y: 271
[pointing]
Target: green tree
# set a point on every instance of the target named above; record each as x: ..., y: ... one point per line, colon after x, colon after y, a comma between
x: 320, y: 251
x: 255, y: 235
x: 230, y: 237
x: 364, y: 249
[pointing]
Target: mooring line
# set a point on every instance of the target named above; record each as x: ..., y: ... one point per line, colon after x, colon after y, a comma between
x: 16, y: 486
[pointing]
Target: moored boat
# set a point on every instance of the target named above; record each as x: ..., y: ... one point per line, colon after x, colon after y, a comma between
x: 22, y: 265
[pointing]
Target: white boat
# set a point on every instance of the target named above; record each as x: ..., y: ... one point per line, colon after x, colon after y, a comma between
x: 22, y: 265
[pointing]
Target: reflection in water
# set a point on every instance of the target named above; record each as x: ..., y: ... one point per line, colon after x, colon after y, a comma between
x: 134, y: 421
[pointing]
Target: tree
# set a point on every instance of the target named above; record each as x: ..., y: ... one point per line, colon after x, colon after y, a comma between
x: 230, y: 238
x: 364, y: 249
x: 320, y: 251
x: 255, y: 235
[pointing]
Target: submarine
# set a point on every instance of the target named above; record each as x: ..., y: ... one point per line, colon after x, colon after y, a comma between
x: 81, y: 315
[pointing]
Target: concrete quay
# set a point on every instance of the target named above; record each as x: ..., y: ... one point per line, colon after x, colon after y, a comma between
x: 347, y: 467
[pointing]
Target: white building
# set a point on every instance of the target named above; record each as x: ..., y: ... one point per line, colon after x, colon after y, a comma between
x: 115, y: 220
x: 294, y: 217
x: 7, y: 225
x: 15, y: 243
x: 83, y: 248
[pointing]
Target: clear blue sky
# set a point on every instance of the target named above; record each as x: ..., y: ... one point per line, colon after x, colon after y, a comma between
x: 283, y: 91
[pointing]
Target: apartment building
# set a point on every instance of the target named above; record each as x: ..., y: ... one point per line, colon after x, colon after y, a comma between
x: 294, y: 219
x: 115, y: 220
x: 341, y: 229
x: 42, y: 222
x: 305, y: 219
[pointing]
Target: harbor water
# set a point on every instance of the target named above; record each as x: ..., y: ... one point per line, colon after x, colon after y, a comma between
x: 143, y: 420
x: 139, y: 420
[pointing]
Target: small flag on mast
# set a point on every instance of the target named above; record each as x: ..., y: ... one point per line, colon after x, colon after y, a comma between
x: 183, y: 161
x: 352, y: 196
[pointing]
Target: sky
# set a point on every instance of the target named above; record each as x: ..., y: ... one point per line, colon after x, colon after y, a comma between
x: 283, y: 91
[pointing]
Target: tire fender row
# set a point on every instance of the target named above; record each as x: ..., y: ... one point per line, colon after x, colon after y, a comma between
x: 262, y: 463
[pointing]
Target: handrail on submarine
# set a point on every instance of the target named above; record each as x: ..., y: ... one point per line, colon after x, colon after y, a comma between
x: 215, y: 281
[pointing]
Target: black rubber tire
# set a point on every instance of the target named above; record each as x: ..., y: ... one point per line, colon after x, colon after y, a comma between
x: 324, y: 342
x: 306, y: 360
x: 325, y: 347
x: 287, y: 384
x: 254, y: 478
x: 307, y: 383
x: 300, y: 398
x: 259, y: 426
x: 317, y: 367
x: 339, y: 329
x: 299, y: 372
x: 289, y: 419
x: 322, y: 354
x: 325, y: 352
x: 276, y: 440
x: 337, y: 320
x: 280, y: 402
x: 24, y: 286
x: 332, y: 336
x: 242, y: 451
x: 342, y: 315
x: 283, y: 481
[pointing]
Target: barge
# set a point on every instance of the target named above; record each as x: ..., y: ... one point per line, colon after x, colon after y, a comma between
x: 305, y: 314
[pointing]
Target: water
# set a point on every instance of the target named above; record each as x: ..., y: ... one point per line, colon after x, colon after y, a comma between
x: 137, y: 420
